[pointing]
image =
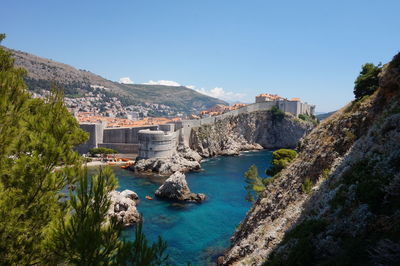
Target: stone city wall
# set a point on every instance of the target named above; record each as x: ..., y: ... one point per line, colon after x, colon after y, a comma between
x: 122, y: 140
x: 162, y: 140
x: 95, y: 132
x: 125, y: 148
x: 124, y: 135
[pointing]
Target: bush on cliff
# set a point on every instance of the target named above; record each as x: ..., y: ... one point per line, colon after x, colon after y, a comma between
x: 367, y: 82
x: 280, y: 158
x: 254, y: 182
x: 309, y: 118
x: 277, y: 114
x: 36, y: 136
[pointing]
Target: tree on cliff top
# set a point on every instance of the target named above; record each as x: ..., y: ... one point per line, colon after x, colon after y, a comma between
x: 367, y: 81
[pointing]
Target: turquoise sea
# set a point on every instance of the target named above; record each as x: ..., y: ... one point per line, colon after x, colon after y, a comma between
x: 197, y: 233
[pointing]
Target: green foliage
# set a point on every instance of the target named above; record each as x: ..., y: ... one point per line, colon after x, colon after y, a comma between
x: 35, y: 136
x: 325, y: 173
x: 83, y: 235
x: 37, y: 225
x: 139, y: 252
x: 370, y: 187
x: 254, y: 183
x: 101, y: 150
x: 80, y: 235
x: 280, y: 159
x: 277, y: 114
x: 367, y: 82
x: 308, y: 118
x: 307, y: 185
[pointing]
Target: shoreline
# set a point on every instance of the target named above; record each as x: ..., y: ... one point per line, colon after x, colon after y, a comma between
x: 99, y: 163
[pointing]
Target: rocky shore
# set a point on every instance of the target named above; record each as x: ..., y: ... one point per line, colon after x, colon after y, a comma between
x: 123, y: 207
x: 176, y: 188
x: 229, y: 136
x: 248, y: 131
x: 184, y: 160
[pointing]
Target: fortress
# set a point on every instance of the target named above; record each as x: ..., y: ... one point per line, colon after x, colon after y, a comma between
x: 160, y: 141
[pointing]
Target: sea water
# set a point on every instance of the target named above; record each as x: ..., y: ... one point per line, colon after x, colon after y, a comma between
x: 197, y: 233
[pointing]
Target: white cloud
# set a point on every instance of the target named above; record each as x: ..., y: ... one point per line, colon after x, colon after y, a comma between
x: 163, y: 82
x: 220, y: 93
x: 126, y: 80
x: 217, y: 92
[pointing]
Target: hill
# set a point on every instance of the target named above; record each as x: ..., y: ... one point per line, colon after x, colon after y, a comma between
x: 77, y: 83
x: 324, y: 116
x: 338, y: 202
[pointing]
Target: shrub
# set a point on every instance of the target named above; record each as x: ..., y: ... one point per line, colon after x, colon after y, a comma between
x: 280, y: 159
x: 254, y: 183
x: 307, y: 185
x: 367, y: 82
x: 325, y: 173
x: 277, y: 114
x: 308, y: 118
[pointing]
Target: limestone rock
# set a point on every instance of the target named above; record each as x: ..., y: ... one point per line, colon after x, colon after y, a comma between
x: 248, y: 131
x: 130, y: 194
x: 362, y: 139
x: 176, y: 188
x: 184, y: 161
x: 123, y: 206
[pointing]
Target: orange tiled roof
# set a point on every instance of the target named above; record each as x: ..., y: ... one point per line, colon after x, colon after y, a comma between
x: 90, y: 117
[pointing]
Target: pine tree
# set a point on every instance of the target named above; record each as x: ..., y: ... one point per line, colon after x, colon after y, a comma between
x: 36, y: 135
x: 254, y: 183
x: 280, y: 159
x: 37, y: 225
x: 367, y: 81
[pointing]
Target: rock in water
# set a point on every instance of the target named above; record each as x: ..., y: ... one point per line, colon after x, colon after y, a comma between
x: 123, y: 206
x: 176, y: 188
x: 182, y: 161
x: 129, y: 194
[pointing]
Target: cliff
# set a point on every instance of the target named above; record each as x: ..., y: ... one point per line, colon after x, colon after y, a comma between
x: 349, y: 213
x: 248, y: 131
x: 230, y: 136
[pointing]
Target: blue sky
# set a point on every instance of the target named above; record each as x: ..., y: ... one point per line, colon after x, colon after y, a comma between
x: 229, y: 49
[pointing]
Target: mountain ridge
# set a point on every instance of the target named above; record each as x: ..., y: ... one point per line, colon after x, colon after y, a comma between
x: 43, y: 72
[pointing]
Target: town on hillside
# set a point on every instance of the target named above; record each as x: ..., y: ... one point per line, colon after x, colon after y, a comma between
x: 128, y: 118
x: 158, y: 137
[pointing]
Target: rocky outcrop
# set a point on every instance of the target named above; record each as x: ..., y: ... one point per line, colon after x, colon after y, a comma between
x: 176, y: 188
x: 123, y: 206
x: 349, y: 213
x: 184, y: 160
x: 229, y: 136
x: 248, y: 131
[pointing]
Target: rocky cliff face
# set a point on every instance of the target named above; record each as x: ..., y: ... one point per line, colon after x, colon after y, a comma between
x: 230, y: 136
x: 349, y: 213
x: 184, y: 160
x: 250, y: 131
